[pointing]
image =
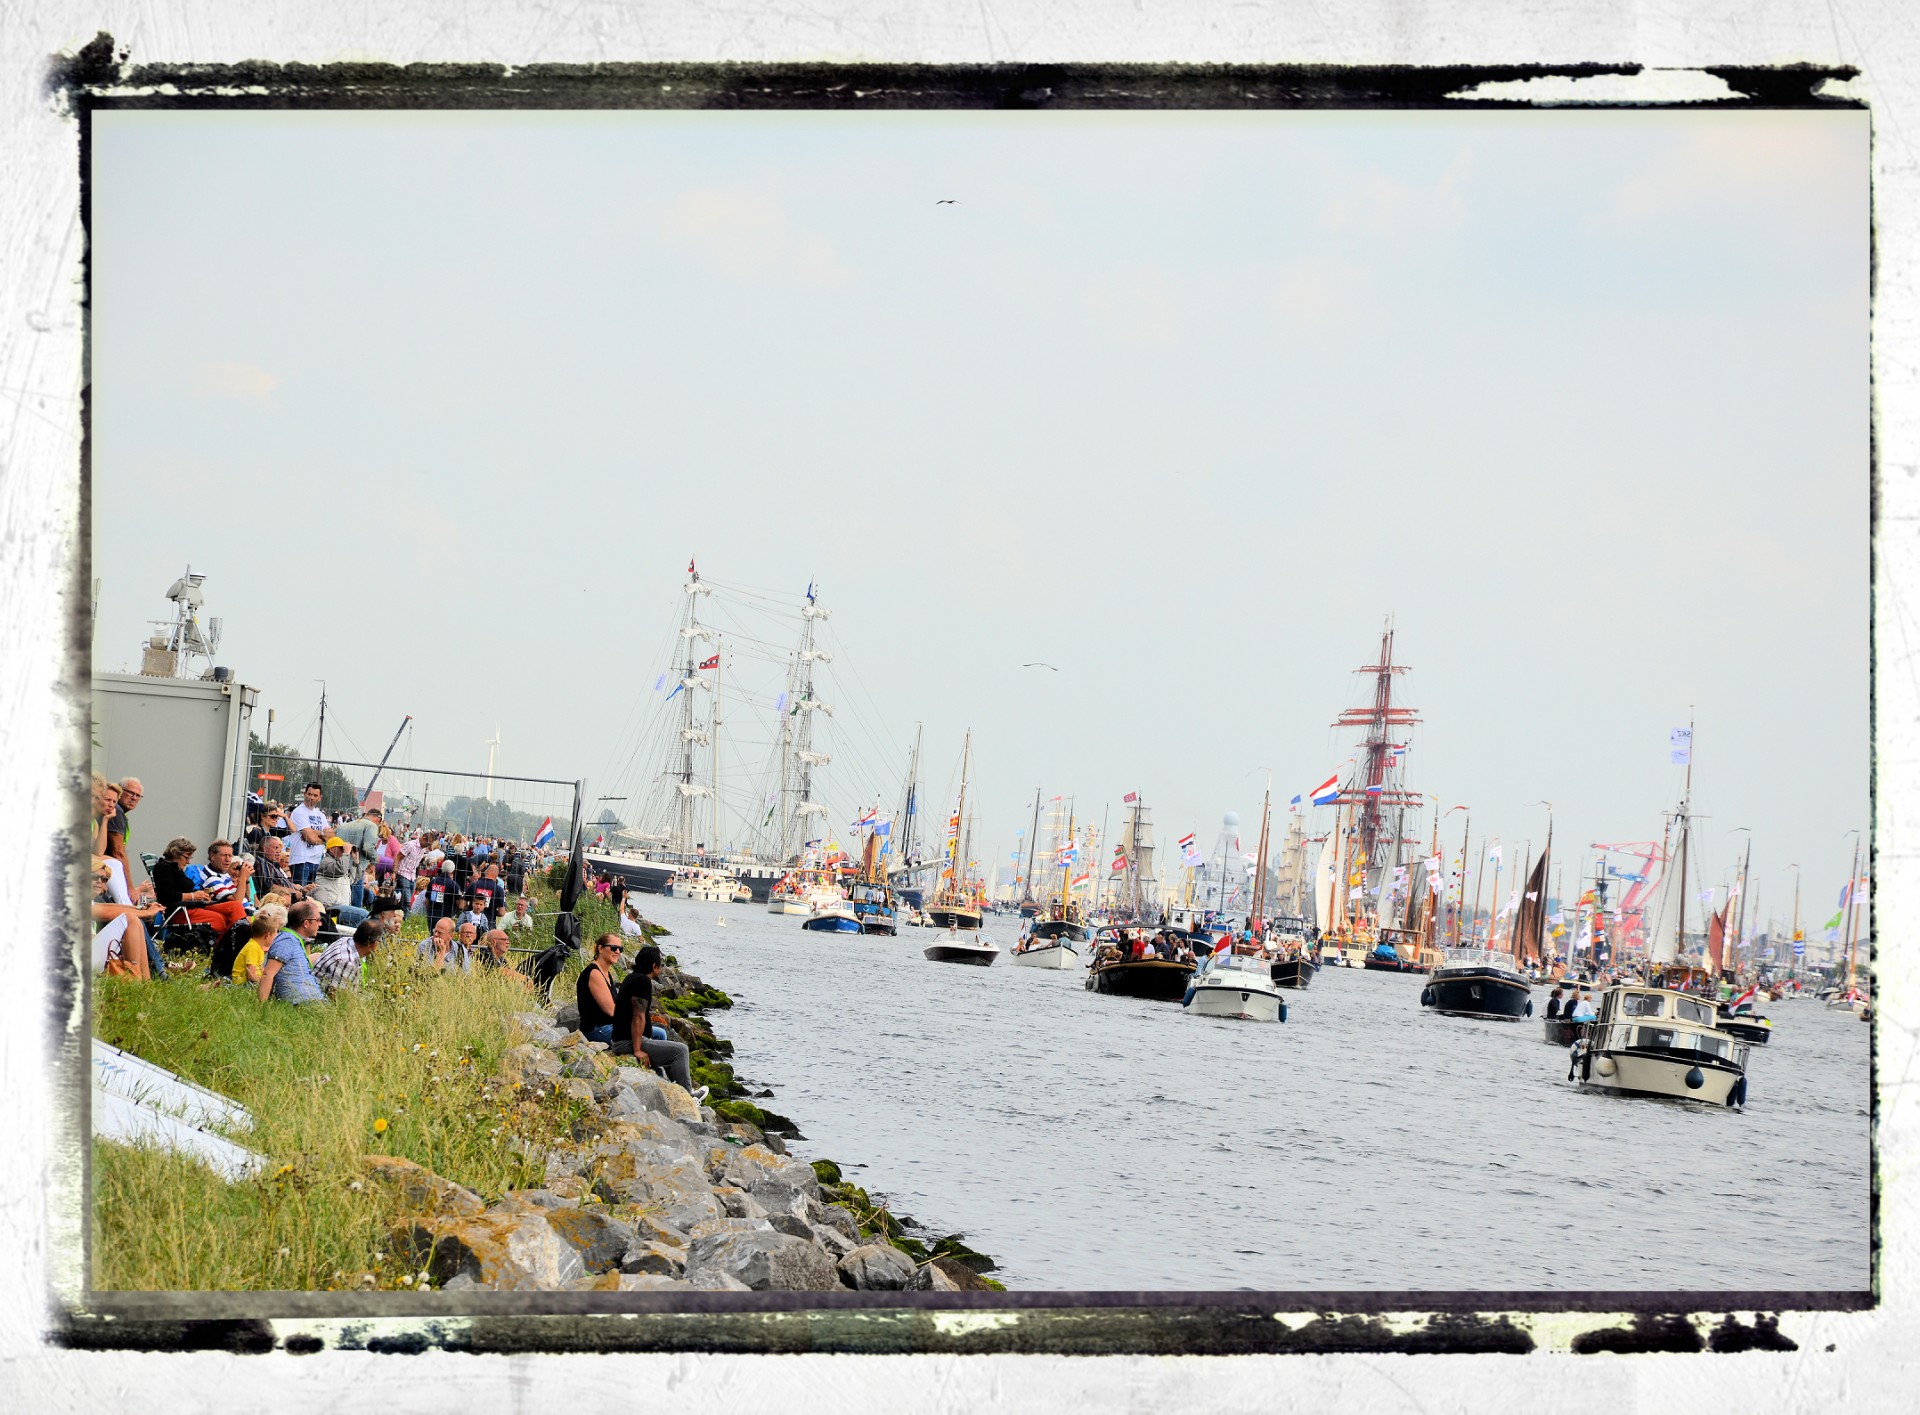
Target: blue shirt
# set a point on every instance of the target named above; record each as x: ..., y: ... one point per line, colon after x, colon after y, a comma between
x: 295, y: 981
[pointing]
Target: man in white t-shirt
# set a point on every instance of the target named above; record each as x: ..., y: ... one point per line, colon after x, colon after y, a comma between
x: 308, y: 842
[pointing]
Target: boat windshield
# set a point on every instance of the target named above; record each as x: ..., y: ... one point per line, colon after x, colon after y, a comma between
x: 1643, y: 1004
x: 1691, y: 1011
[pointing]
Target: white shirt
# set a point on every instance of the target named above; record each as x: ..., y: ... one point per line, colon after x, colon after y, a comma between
x: 303, y: 817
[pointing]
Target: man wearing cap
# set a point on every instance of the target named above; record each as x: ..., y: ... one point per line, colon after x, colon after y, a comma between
x: 308, y: 842
x: 333, y: 883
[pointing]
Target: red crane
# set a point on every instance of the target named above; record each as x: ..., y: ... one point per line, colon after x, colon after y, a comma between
x: 1651, y: 854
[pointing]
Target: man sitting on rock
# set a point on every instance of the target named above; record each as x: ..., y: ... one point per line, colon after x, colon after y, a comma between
x: 633, y: 1013
x: 493, y: 957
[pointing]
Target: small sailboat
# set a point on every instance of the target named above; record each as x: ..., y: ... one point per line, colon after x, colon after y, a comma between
x: 955, y: 903
x: 1050, y: 942
x: 872, y: 901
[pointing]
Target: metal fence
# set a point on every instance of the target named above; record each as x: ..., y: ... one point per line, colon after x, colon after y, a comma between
x: 472, y: 803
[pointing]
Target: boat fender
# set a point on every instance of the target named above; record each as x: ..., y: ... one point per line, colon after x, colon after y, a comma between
x: 1695, y: 1078
x: 1283, y: 1015
x: 1426, y: 997
x: 1529, y: 1007
x: 1737, y: 1097
x: 1189, y: 995
x: 1605, y: 1066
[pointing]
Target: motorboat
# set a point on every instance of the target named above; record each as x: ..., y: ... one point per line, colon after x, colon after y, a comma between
x: 1649, y: 1041
x: 874, y: 909
x: 707, y: 885
x: 1127, y: 962
x: 1050, y: 944
x: 1478, y: 982
x: 1395, y: 951
x: 1236, y: 982
x: 958, y: 947
x: 832, y: 916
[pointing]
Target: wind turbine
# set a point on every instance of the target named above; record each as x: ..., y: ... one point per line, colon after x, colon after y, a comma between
x: 492, y: 745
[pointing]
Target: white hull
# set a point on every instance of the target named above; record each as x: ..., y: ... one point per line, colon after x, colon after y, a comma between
x: 700, y: 890
x: 1058, y: 956
x: 1660, y: 1076
x: 1235, y: 993
x: 789, y: 906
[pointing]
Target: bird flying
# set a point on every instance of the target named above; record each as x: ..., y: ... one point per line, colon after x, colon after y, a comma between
x: 946, y: 201
x: 1039, y: 665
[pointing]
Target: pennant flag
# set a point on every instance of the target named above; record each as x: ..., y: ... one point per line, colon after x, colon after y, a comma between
x: 660, y: 682
x: 1327, y: 791
x: 1130, y: 797
x: 809, y: 591
x: 544, y: 834
x: 675, y: 693
x: 690, y: 569
x: 713, y: 662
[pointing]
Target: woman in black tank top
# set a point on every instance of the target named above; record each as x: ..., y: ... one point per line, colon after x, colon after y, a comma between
x: 593, y: 993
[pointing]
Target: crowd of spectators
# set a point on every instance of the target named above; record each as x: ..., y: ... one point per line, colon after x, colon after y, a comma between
x: 297, y: 907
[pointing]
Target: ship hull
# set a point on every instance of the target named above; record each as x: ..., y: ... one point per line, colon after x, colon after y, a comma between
x: 1155, y: 979
x: 1478, y: 992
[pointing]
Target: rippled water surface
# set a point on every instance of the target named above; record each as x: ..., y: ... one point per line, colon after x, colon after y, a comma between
x: 1091, y: 1142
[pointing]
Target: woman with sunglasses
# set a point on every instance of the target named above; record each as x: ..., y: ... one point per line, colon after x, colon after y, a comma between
x: 593, y: 992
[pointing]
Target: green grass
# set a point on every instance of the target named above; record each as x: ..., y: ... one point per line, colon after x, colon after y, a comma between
x: 406, y: 1067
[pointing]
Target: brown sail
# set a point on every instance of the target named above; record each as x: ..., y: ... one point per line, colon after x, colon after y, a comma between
x: 1529, y: 922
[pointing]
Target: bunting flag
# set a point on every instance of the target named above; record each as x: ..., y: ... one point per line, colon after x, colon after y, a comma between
x: 677, y: 687
x: 660, y: 682
x: 780, y: 703
x: 713, y: 662
x: 1328, y: 791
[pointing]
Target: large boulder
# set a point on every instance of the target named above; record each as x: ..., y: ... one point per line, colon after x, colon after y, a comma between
x: 706, y: 1228
x: 653, y: 1282
x: 713, y: 1280
x: 765, y: 1262
x: 566, y: 1016
x: 674, y: 1183
x: 833, y: 1216
x: 661, y: 1259
x: 598, y: 1237
x: 836, y: 1244
x: 738, y: 1204
x: 928, y: 1278
x: 877, y: 1267
x: 680, y: 1103
x: 757, y: 1164
x: 530, y: 1067
x: 951, y: 1275
x: 508, y: 1251
x: 576, y: 1088
x: 420, y: 1190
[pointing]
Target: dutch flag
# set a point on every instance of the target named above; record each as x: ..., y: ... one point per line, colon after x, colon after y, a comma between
x: 1327, y: 792
x: 544, y: 834
x: 1187, y: 840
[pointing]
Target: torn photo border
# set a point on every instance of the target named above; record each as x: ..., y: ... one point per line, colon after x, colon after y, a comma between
x: 102, y: 76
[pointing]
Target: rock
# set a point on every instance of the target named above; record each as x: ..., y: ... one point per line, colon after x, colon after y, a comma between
x: 548, y: 1037
x: 581, y: 1066
x: 706, y: 1228
x: 459, y: 1282
x: 661, y: 1259
x: 791, y: 1223
x: 646, y: 1096
x: 713, y: 1280
x: 509, y: 1251
x: 578, y: 1089
x: 567, y: 1015
x: 598, y: 1237
x: 961, y: 1277
x: 757, y: 1164
x: 833, y: 1216
x: 877, y: 1267
x: 573, y: 1036
x: 654, y: 1282
x: 531, y: 1021
x: 738, y: 1204
x: 420, y: 1189
x: 568, y: 1188
x: 744, y: 1132
x: 928, y: 1278
x: 596, y: 1282
x: 534, y: 1198
x: 529, y: 1066
x: 774, y: 1143
x: 715, y: 1159
x: 680, y: 1104
x: 831, y: 1239
x: 765, y: 1262
x: 675, y: 1183
x: 776, y: 1198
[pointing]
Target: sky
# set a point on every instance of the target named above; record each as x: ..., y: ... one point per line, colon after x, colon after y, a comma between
x: 1188, y: 406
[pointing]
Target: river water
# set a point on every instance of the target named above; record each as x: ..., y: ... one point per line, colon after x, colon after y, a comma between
x: 1089, y: 1142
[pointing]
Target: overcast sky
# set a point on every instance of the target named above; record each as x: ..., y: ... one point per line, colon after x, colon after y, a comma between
x: 1186, y: 405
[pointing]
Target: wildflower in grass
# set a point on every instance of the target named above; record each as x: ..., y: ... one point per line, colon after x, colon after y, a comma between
x: 379, y: 1128
x: 407, y: 1278
x: 282, y: 1251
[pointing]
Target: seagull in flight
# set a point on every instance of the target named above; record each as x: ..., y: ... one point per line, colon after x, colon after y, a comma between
x: 946, y: 201
x: 1039, y: 665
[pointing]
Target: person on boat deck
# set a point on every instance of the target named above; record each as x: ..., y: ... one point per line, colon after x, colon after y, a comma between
x: 1583, y: 1009
x: 1553, y: 1005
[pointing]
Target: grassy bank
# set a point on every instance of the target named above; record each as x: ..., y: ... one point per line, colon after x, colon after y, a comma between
x: 408, y: 1066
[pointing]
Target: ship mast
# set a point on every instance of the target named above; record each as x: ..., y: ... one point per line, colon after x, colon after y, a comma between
x: 1378, y: 767
x: 1686, y: 797
x: 799, y: 804
x: 1032, y: 861
x: 680, y: 844
x: 907, y: 827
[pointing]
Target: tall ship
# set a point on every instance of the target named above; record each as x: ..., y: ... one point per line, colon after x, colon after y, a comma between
x: 958, y: 900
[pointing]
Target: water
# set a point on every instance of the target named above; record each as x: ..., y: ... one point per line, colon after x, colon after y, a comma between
x: 1090, y: 1142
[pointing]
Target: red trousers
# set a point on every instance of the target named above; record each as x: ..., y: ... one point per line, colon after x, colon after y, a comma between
x: 220, y: 916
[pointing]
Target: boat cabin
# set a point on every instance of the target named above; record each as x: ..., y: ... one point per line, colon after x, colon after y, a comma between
x: 1663, y: 1021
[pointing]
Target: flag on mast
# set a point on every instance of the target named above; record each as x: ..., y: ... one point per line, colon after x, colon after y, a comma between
x: 1328, y: 791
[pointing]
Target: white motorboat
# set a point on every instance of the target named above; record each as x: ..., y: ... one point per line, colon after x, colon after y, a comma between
x: 1051, y: 944
x: 1237, y: 985
x: 963, y: 947
x: 832, y: 916
x: 1649, y: 1041
x: 708, y: 886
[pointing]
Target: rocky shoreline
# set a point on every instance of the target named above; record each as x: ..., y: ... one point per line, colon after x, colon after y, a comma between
x: 654, y: 1192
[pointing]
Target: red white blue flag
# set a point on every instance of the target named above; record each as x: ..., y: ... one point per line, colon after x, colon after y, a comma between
x: 1328, y: 791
